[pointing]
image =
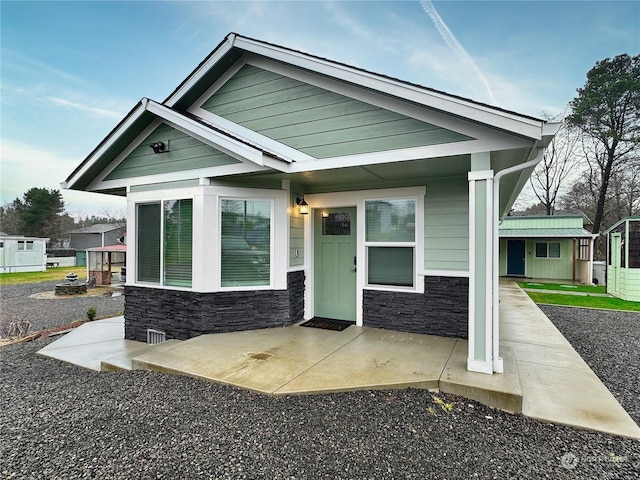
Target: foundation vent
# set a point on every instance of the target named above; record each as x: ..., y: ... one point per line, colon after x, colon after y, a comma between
x: 155, y: 337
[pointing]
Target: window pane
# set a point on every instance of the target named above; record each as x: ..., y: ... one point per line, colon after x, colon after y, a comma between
x: 148, y: 242
x: 178, y: 234
x: 336, y: 224
x: 391, y: 220
x: 541, y: 250
x: 390, y: 266
x: 246, y: 243
x: 554, y: 250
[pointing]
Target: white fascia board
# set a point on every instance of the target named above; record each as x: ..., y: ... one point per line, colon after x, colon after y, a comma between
x: 95, y: 156
x: 203, y: 69
x: 289, y: 154
x: 224, y: 78
x: 511, y: 122
x: 206, y: 135
x: 124, y: 153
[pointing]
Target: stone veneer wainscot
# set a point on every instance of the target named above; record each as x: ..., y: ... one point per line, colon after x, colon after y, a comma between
x: 442, y: 310
x: 183, y: 314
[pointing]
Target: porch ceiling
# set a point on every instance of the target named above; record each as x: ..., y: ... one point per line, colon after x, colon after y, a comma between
x: 413, y: 172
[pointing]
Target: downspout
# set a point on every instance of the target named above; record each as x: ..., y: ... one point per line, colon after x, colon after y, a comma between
x: 498, y: 365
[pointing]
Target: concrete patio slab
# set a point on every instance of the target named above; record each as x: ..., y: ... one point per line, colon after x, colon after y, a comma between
x: 499, y: 391
x: 259, y: 360
x: 380, y: 359
x: 544, y: 376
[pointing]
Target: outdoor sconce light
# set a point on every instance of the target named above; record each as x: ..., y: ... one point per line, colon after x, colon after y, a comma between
x: 304, y: 206
x: 158, y: 147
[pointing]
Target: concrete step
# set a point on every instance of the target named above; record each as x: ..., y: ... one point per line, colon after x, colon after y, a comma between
x: 498, y: 391
x: 124, y: 360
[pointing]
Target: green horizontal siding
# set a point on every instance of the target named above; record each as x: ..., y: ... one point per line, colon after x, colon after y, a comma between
x: 185, y: 153
x: 315, y: 121
x: 296, y: 236
x: 544, y: 222
x: 446, y: 244
x: 629, y: 285
x: 557, y: 268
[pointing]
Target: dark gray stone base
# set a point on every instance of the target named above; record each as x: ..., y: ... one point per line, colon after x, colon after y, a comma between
x: 442, y: 310
x: 182, y: 315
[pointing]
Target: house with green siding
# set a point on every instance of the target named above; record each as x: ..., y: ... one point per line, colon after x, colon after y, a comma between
x: 623, y: 259
x: 274, y: 186
x: 555, y: 247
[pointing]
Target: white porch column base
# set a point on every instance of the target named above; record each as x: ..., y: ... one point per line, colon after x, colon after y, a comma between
x: 498, y: 365
x: 479, y: 366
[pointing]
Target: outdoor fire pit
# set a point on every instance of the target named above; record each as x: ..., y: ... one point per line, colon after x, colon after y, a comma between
x: 71, y: 286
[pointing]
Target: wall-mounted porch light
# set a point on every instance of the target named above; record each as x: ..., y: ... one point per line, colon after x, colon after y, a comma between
x: 303, y: 206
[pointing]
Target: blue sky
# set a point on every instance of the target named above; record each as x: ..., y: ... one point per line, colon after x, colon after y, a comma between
x: 71, y: 70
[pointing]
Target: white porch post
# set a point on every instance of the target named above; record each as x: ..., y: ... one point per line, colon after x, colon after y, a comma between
x: 480, y: 354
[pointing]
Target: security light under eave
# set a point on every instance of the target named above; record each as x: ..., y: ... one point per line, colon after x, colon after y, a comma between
x: 158, y: 147
x: 304, y: 206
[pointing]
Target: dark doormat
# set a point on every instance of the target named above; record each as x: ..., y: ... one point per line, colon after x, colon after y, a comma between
x: 327, y: 324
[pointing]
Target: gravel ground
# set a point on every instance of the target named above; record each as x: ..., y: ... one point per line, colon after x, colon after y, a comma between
x: 17, y: 303
x: 59, y: 421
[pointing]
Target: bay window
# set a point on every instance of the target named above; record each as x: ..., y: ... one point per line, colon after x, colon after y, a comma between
x: 164, y: 248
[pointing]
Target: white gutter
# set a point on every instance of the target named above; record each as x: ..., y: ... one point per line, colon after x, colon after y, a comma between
x: 498, y: 365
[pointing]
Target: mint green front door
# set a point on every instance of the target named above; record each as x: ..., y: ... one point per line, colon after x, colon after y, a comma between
x: 334, y: 263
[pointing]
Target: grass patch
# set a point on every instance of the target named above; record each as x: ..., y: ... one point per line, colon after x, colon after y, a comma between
x: 564, y: 287
x: 584, y: 301
x: 35, y: 277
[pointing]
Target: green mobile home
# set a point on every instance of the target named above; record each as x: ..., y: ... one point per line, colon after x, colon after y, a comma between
x: 623, y: 259
x: 546, y: 247
x: 274, y: 186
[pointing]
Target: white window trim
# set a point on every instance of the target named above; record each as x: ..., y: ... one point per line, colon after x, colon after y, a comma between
x: 408, y: 244
x: 160, y: 196
x: 357, y: 199
x: 547, y: 257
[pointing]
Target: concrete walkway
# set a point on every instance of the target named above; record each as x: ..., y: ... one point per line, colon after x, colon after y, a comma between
x: 544, y: 377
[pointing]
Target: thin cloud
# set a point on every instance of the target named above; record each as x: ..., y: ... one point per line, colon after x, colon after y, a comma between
x: 454, y: 45
x: 97, y: 112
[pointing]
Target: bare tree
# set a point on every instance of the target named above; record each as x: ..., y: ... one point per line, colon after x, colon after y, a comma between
x: 559, y: 161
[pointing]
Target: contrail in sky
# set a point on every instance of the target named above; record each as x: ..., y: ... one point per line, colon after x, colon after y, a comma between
x: 454, y: 45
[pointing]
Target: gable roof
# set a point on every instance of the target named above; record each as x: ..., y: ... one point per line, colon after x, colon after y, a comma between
x: 620, y: 222
x: 445, y: 125
x: 99, y: 228
x: 234, y: 45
